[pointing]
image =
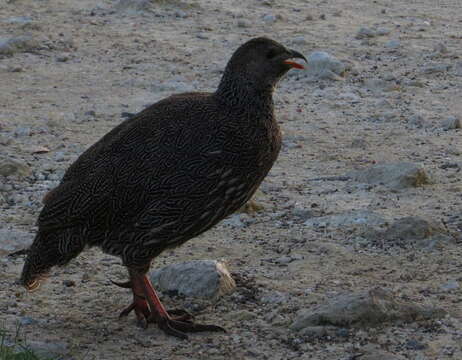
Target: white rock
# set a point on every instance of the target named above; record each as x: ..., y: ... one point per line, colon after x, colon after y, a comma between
x: 322, y: 65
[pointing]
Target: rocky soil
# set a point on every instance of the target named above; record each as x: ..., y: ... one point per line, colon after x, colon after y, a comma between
x: 352, y: 250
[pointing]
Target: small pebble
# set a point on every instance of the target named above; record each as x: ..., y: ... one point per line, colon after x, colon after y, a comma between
x: 69, y: 283
x: 242, y: 23
x: 270, y: 18
x: 393, y: 44
x: 181, y: 14
x: 452, y: 123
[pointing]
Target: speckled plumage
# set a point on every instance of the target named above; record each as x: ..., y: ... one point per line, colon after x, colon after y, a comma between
x: 169, y: 173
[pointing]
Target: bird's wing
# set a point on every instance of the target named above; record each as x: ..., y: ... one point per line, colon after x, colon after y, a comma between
x: 124, y: 173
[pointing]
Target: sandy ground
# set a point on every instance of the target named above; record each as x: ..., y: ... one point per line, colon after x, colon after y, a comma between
x: 95, y: 61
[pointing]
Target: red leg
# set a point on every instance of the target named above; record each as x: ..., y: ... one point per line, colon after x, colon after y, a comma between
x: 148, y: 308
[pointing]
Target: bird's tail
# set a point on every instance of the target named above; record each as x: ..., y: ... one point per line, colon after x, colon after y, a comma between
x: 45, y: 252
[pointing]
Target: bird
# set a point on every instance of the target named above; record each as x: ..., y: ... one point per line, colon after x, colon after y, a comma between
x: 164, y: 176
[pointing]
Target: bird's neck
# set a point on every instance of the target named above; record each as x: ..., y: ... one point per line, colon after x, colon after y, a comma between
x: 239, y: 92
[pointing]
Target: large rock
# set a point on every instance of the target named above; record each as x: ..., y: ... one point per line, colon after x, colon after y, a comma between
x: 410, y: 230
x: 13, y: 240
x: 367, y: 309
x: 9, y: 46
x: 200, y: 278
x: 394, y: 175
x: 9, y: 167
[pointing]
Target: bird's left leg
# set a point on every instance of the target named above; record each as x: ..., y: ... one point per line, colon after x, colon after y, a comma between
x: 140, y: 305
x: 148, y: 307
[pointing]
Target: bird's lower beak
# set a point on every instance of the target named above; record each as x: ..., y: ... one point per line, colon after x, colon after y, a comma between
x: 292, y: 63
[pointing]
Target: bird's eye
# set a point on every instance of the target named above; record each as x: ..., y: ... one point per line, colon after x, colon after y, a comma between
x: 271, y: 53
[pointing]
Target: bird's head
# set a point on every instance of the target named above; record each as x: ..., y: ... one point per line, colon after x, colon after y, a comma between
x: 261, y: 62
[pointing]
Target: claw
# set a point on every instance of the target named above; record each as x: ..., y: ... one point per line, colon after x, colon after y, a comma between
x: 126, y: 285
x: 127, y: 310
x: 179, y: 328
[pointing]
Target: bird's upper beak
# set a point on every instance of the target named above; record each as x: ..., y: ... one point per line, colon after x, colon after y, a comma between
x: 295, y: 54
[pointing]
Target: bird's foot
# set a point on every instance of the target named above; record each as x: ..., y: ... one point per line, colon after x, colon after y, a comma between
x: 148, y: 309
x: 179, y: 328
x: 145, y: 316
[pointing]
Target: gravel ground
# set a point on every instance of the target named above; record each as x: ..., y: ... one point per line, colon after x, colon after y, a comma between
x: 388, y: 94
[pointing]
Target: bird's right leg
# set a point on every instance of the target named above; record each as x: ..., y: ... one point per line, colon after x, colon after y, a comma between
x: 140, y: 305
x: 148, y: 308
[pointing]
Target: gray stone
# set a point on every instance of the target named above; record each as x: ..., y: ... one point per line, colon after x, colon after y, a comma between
x: 25, y: 320
x: 172, y: 86
x: 133, y: 5
x: 382, y: 31
x: 284, y: 260
x: 14, y: 240
x: 417, y: 120
x: 234, y: 221
x: 365, y: 32
x: 275, y: 297
x: 18, y: 20
x: 9, y: 46
x: 450, y: 285
x: 48, y: 350
x: 440, y: 48
x: 377, y: 354
x: 394, y: 175
x: 452, y: 123
x: 319, y: 331
x: 181, y: 14
x: 12, y: 167
x: 375, y: 307
x: 5, y: 140
x: 411, y: 230
x: 325, y: 66
x: 242, y: 23
x: 360, y: 143
x: 378, y: 85
x: 435, y: 68
x: 270, y: 18
x: 199, y: 278
x: 241, y: 315
x: 299, y: 40
x: 458, y: 68
x: 22, y: 131
x: 393, y: 44
x: 347, y: 219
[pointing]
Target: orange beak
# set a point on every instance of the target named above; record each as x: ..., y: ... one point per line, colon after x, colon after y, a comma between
x: 294, y: 64
x: 295, y: 54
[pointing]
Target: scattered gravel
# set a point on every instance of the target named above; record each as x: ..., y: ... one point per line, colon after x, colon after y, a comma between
x: 374, y: 116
